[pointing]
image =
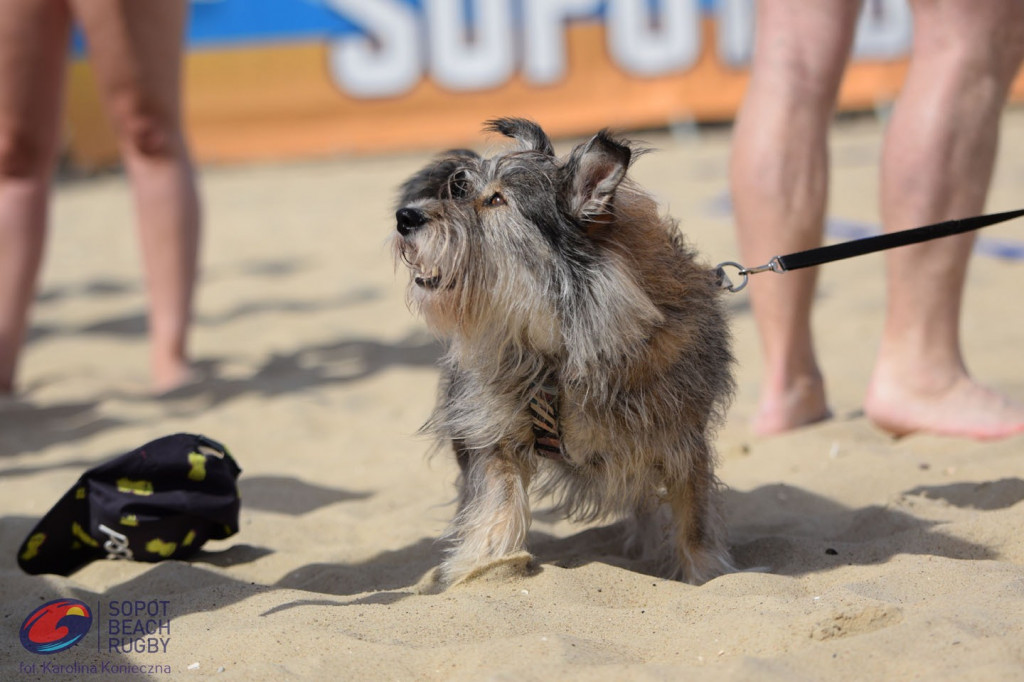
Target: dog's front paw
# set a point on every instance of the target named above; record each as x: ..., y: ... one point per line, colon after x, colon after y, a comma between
x: 500, y: 570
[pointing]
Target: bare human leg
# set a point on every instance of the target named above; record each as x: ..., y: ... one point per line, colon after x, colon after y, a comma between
x: 779, y: 178
x: 33, y: 44
x: 938, y: 159
x: 135, y: 48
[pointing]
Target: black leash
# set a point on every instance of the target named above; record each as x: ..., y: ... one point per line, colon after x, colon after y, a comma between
x: 859, y: 247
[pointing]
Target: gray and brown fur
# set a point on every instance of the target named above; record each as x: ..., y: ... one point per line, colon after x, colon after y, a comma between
x: 537, y: 268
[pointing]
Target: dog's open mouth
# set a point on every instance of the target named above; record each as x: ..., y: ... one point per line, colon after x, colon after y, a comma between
x: 426, y: 281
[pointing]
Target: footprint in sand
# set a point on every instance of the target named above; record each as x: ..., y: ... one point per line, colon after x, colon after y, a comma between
x: 851, y: 621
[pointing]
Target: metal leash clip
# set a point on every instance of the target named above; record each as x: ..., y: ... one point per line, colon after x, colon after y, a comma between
x: 723, y: 281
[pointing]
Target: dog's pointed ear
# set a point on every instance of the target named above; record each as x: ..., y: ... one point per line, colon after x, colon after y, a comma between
x: 527, y: 133
x: 593, y: 173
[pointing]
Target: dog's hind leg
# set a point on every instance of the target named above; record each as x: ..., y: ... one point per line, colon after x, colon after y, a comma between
x: 494, y: 512
x: 646, y: 530
x: 698, y: 530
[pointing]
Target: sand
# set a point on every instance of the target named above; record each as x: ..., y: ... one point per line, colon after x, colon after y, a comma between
x: 885, y: 559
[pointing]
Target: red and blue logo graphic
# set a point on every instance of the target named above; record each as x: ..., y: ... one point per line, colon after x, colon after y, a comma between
x: 56, y: 626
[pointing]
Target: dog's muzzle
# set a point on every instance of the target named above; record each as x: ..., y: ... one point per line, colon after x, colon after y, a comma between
x: 409, y: 220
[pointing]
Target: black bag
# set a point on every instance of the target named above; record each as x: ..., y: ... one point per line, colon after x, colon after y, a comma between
x: 160, y: 501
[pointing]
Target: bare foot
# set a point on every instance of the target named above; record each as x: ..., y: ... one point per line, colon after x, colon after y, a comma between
x: 798, y: 402
x: 962, y: 408
x: 169, y: 375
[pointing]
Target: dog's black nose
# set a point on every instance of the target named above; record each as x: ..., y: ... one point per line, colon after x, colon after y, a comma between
x: 409, y: 219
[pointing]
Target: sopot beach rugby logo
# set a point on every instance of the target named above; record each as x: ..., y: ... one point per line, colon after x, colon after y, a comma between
x: 56, y: 626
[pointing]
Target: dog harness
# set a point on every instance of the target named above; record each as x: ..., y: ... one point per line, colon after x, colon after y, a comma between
x: 544, y: 412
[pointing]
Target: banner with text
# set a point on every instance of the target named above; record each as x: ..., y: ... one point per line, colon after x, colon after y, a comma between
x: 290, y: 78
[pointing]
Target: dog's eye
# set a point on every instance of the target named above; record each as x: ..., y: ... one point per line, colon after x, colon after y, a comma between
x: 495, y: 199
